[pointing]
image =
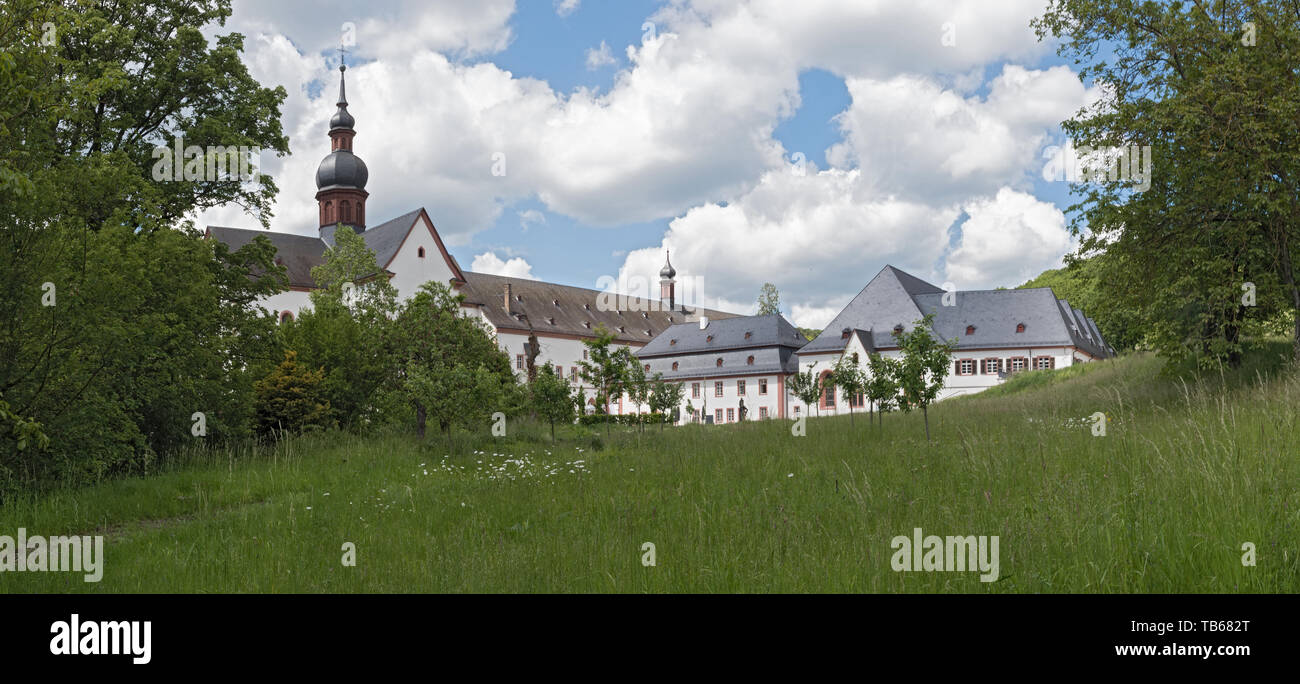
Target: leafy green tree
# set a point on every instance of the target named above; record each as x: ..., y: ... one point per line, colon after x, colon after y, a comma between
x: 882, y: 387
x: 453, y: 371
x: 1079, y: 283
x: 290, y: 398
x: 552, y: 399
x: 921, y: 371
x: 848, y: 376
x: 807, y: 386
x: 118, y: 321
x: 637, y: 386
x: 349, y: 330
x: 665, y: 398
x: 1211, y: 90
x: 769, y: 300
x: 605, y: 368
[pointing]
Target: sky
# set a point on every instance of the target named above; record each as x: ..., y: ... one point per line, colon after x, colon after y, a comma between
x: 807, y: 144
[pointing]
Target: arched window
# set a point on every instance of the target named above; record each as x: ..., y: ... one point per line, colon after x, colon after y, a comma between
x: 420, y: 253
x: 828, y: 391
x: 286, y: 316
x: 719, y: 362
x: 1020, y: 327
x: 345, y: 208
x: 329, y: 211
x: 361, y: 213
x: 970, y: 330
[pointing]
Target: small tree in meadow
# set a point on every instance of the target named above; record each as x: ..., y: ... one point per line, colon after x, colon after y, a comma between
x: 605, y: 369
x: 921, y: 371
x: 551, y: 398
x: 807, y: 387
x: 291, y: 398
x: 849, y: 378
x: 665, y: 397
x: 637, y: 385
x: 882, y: 387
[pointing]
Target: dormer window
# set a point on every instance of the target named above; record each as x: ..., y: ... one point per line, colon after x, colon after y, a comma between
x: 551, y: 320
x: 645, y: 315
x: 622, y: 329
x: 749, y: 361
x: 649, y: 332
x: 672, y: 343
x: 674, y: 365
x: 719, y: 362
x: 555, y: 302
x: 898, y: 329
x: 587, y: 307
x: 970, y: 330
x: 748, y: 334
x: 1020, y: 327
x: 586, y: 324
x: 709, y: 339
x: 420, y: 252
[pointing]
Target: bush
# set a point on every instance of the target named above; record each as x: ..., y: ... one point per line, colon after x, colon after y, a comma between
x: 291, y: 398
x: 628, y: 419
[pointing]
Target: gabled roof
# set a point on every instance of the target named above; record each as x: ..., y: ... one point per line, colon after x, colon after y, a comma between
x: 298, y: 253
x: 885, y: 302
x: 568, y: 310
x: 767, y: 361
x: 301, y: 252
x: 995, y: 316
x: 895, y: 298
x: 740, y: 332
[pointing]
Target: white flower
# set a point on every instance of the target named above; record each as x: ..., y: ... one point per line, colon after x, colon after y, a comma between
x: 790, y: 475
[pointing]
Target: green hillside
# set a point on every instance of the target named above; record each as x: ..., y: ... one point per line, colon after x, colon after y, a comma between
x: 1189, y: 470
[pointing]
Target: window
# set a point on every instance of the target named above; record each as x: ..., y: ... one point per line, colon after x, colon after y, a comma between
x: 647, y: 368
x: 749, y: 361
x: 991, y: 366
x: 345, y: 207
x: 762, y: 386
x: 709, y: 338
x: 519, y: 361
x: 731, y: 415
x: 740, y: 388
x: 717, y: 416
x: 719, y: 362
x: 970, y: 330
x: 286, y: 316
x: 584, y: 354
x: 672, y: 343
x: 420, y: 253
x: 717, y: 388
x: 1017, y: 364
x: 966, y: 367
x: 559, y: 371
x: 762, y: 413
x: 796, y: 410
x: 1044, y: 363
x: 695, y: 390
x: 674, y: 365
x: 573, y: 373
x: 828, y: 393
x: 1020, y: 327
x: 857, y: 400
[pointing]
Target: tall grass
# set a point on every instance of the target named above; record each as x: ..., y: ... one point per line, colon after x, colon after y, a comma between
x: 1191, y: 468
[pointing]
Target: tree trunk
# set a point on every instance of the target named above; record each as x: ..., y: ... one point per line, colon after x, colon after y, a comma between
x: 1288, y: 276
x: 552, y: 432
x: 420, y: 419
x: 926, y: 412
x: 447, y: 429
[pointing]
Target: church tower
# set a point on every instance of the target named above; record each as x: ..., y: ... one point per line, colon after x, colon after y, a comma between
x: 667, y: 286
x: 341, y: 178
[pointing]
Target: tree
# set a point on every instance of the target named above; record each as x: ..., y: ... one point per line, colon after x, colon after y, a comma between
x: 349, y: 330
x: 921, y: 371
x: 453, y: 371
x: 807, y: 386
x: 848, y: 376
x: 882, y: 387
x: 665, y: 397
x: 604, y: 368
x: 290, y: 398
x: 143, y: 323
x: 769, y: 300
x: 1210, y: 89
x: 551, y: 398
x: 637, y: 385
x: 1080, y: 284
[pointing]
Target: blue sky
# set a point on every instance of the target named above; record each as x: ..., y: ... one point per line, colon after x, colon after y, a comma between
x: 922, y: 125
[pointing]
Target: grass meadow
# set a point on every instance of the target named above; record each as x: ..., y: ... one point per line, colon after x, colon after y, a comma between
x: 1191, y: 468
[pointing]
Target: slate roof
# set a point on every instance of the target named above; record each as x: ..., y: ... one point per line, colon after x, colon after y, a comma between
x: 298, y: 253
x: 568, y: 310
x: 771, y: 340
x: 896, y: 298
x: 740, y: 332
